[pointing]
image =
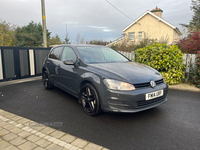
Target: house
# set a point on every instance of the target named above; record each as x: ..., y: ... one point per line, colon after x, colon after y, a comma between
x: 149, y: 25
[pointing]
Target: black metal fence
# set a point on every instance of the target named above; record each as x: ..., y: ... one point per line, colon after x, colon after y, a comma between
x: 21, y: 62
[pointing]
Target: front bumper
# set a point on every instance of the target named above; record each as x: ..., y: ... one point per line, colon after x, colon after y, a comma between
x: 132, y: 101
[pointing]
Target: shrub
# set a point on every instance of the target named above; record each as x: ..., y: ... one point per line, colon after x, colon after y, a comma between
x: 168, y: 60
x: 143, y: 43
x: 98, y: 42
x: 197, y: 70
x: 128, y: 46
x: 191, y: 43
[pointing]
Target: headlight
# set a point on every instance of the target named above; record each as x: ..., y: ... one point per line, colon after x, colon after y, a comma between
x: 118, y: 85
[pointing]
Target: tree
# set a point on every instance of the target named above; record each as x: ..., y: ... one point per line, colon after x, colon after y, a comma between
x: 78, y: 39
x: 67, y: 40
x: 30, y: 35
x: 191, y: 43
x: 6, y: 34
x: 55, y: 40
x: 82, y: 40
x: 194, y: 24
x: 98, y: 42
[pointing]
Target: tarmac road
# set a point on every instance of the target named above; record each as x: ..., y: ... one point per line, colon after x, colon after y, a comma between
x: 173, y: 125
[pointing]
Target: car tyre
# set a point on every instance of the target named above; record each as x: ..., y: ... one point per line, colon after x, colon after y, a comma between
x: 90, y: 100
x: 46, y: 82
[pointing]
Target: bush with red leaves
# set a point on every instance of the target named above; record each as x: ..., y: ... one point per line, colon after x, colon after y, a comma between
x: 190, y: 44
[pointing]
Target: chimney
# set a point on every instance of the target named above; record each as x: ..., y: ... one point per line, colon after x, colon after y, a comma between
x: 157, y: 11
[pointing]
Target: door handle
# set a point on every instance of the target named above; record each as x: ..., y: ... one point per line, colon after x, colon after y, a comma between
x: 48, y: 62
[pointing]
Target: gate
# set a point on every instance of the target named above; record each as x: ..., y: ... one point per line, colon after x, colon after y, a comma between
x: 21, y: 62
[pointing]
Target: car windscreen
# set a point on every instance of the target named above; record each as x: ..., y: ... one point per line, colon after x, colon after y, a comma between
x: 99, y: 54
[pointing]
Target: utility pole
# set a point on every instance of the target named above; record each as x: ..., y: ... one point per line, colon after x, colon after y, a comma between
x: 44, y: 24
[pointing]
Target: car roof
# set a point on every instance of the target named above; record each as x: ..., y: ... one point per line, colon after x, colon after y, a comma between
x: 82, y: 45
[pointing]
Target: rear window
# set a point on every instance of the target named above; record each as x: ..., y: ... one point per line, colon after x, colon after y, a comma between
x: 56, y: 53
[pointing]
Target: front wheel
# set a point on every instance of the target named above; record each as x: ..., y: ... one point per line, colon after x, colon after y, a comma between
x: 90, y: 100
x: 45, y: 79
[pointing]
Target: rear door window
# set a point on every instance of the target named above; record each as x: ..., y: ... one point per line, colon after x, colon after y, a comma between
x: 56, y: 53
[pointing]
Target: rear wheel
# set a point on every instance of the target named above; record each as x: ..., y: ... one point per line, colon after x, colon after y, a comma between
x: 90, y: 100
x: 46, y: 82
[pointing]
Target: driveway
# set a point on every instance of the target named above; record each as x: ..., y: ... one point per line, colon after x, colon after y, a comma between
x: 173, y: 125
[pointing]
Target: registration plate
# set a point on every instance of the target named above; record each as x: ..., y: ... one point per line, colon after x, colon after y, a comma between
x: 153, y: 95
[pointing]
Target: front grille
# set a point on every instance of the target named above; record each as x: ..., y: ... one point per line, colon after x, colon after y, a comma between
x: 142, y: 85
x: 145, y: 103
x: 147, y: 84
x: 159, y: 81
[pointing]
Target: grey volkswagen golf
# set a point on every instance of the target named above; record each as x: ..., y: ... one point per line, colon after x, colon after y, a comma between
x: 102, y: 79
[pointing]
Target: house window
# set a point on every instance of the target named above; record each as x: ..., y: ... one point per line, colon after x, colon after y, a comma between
x: 139, y: 36
x: 131, y: 36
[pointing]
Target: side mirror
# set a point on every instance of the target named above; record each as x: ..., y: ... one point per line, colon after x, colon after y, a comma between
x: 69, y: 61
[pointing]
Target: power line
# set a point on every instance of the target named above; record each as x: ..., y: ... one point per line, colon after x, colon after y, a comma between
x: 119, y: 10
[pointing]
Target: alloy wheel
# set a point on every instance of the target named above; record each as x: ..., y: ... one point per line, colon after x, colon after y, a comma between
x: 90, y: 100
x: 45, y: 80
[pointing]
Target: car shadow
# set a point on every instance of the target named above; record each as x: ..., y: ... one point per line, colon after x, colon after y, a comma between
x: 156, y: 112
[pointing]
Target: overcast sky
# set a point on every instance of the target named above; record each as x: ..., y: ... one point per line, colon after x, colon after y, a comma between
x: 93, y: 19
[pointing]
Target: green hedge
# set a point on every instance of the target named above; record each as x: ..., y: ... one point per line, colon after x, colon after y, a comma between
x: 168, y: 60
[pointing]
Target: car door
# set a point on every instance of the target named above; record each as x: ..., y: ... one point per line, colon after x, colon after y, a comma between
x: 53, y: 64
x: 68, y: 73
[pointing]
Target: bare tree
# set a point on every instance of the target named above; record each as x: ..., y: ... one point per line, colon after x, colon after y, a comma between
x: 78, y: 39
x: 82, y: 40
x: 67, y: 40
